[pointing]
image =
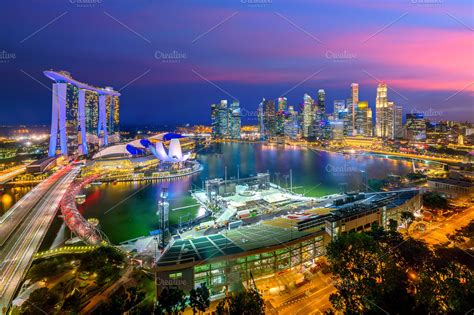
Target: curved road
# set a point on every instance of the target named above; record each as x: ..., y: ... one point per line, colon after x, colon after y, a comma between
x: 17, y: 252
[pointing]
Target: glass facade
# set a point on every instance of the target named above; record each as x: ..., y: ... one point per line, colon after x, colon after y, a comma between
x: 219, y: 275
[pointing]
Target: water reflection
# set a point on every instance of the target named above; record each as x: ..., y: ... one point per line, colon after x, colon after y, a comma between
x: 128, y: 210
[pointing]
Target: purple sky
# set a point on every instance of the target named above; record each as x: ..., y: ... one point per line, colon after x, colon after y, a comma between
x: 244, y: 49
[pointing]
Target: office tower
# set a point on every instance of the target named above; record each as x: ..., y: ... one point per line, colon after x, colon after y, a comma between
x: 397, y: 132
x: 215, y: 120
x: 234, y: 120
x: 337, y: 129
x: 322, y: 128
x: 415, y: 127
x: 308, y: 117
x: 269, y: 118
x: 261, y: 125
x: 91, y: 112
x: 349, y: 123
x: 361, y: 121
x: 280, y: 123
x: 382, y: 112
x: 281, y: 116
x: 75, y: 111
x: 291, y: 128
x: 339, y: 106
x: 223, y: 120
x: 354, y: 101
x: 370, y: 123
x: 282, y: 101
x: 112, y: 114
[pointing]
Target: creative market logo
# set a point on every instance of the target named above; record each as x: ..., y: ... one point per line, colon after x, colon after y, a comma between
x: 341, y: 56
x: 341, y: 169
x: 427, y: 3
x: 5, y: 56
x: 85, y: 3
x: 256, y: 3
x: 170, y: 57
x: 430, y: 112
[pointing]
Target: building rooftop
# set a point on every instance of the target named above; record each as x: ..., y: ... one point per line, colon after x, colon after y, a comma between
x: 274, y: 232
x: 451, y: 181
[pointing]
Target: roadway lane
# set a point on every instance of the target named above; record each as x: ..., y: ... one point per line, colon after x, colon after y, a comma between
x: 12, y: 173
x: 17, y: 253
x: 12, y: 219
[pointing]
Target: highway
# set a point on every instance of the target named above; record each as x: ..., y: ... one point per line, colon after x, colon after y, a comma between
x: 17, y: 251
x: 11, y: 220
x: 11, y: 173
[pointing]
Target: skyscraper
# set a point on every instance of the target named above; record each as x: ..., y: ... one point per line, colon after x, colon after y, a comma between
x: 223, y: 119
x: 76, y: 112
x: 321, y: 125
x: 281, y: 116
x: 339, y: 106
x: 363, y: 121
x: 382, y: 112
x: 415, y: 127
x: 215, y: 120
x: 261, y: 125
x: 308, y: 117
x: 234, y: 120
x: 354, y: 101
x: 269, y: 118
x: 282, y: 101
x: 397, y: 132
x: 291, y: 128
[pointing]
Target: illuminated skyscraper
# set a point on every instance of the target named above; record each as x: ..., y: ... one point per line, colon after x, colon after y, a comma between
x: 397, y: 132
x: 214, y: 120
x: 234, y: 120
x: 322, y: 128
x: 291, y: 128
x: 282, y: 101
x: 75, y: 112
x: 339, y: 105
x: 91, y: 112
x: 363, y: 121
x: 308, y: 117
x: 261, y: 125
x: 383, y: 117
x: 281, y: 115
x: 354, y: 101
x: 415, y: 127
x: 269, y: 118
x: 226, y: 120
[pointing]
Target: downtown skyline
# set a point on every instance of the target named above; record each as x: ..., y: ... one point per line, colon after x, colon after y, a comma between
x: 176, y: 65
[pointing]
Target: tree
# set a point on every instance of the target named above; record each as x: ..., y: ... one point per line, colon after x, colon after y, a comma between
x: 392, y: 225
x: 40, y: 301
x: 199, y: 299
x: 171, y: 301
x: 434, y: 200
x: 466, y: 232
x: 247, y: 302
x: 72, y: 303
x: 407, y: 218
x: 383, y: 270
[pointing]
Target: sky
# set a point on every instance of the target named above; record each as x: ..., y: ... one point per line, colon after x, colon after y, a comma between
x: 172, y: 59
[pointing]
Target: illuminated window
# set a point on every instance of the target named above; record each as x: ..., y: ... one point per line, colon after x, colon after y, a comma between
x: 177, y: 275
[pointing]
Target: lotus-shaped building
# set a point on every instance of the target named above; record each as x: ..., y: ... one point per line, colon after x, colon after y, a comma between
x: 171, y: 153
x: 174, y: 154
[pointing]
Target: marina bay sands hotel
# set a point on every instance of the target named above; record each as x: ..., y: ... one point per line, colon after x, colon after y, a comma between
x: 83, y: 116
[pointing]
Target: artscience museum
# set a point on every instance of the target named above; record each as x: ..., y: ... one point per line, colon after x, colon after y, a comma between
x: 151, y: 157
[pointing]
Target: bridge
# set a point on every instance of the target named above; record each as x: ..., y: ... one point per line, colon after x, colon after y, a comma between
x: 417, y: 157
x: 64, y: 251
